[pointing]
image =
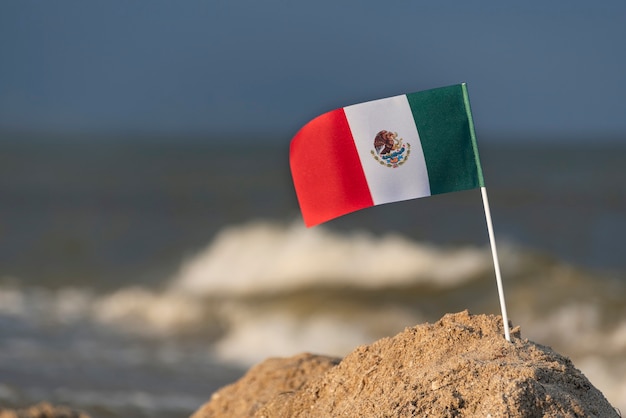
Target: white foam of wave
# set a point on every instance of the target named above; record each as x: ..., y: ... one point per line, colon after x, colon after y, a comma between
x: 43, y: 305
x: 577, y: 326
x: 255, y: 336
x: 276, y: 335
x: 266, y: 258
x: 133, y: 309
x: 144, y: 311
x: 565, y: 324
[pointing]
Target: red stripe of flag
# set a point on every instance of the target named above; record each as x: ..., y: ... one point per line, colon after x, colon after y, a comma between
x: 326, y: 169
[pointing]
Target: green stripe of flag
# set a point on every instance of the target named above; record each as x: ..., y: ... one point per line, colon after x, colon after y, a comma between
x: 444, y: 122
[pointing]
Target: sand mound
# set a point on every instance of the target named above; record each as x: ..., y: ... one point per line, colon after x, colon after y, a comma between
x: 263, y: 382
x: 461, y: 366
x: 42, y: 410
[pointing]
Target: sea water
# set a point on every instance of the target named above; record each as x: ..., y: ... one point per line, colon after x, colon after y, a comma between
x: 139, y: 276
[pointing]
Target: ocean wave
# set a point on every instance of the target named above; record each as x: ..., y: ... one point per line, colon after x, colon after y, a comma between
x: 258, y: 264
x: 148, y: 404
x: 266, y: 266
x: 261, y: 258
x: 265, y: 289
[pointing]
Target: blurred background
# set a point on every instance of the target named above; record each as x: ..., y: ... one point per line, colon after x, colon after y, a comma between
x: 151, y: 247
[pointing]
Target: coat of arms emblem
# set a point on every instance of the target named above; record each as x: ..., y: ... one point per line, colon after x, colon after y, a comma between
x: 389, y: 150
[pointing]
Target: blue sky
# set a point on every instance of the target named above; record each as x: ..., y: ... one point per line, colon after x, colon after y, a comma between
x: 535, y: 69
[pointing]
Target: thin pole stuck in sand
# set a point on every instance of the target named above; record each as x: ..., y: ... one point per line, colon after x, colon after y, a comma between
x: 496, y: 263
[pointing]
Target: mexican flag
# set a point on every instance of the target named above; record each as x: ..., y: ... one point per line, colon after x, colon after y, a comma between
x: 383, y: 151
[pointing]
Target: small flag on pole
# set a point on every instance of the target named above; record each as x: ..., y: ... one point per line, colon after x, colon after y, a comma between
x: 383, y: 151
x: 388, y: 150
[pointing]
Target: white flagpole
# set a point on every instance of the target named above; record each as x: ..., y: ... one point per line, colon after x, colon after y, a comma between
x: 496, y: 263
